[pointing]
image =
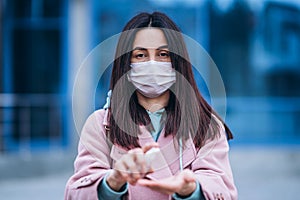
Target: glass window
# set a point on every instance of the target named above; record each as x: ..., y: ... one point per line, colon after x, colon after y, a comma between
x: 20, y: 8
x: 37, y: 67
x: 32, y: 110
x: 35, y: 8
x: 52, y: 8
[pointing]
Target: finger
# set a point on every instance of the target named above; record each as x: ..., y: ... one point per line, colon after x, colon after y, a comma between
x: 149, y: 170
x: 166, y: 185
x: 121, y: 168
x: 137, y: 156
x: 132, y: 170
x: 148, y: 146
x: 134, y: 163
x: 161, y: 190
x: 141, y: 163
x: 188, y: 176
x: 145, y: 182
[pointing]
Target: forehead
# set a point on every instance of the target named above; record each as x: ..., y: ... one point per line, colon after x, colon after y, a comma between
x: 149, y: 38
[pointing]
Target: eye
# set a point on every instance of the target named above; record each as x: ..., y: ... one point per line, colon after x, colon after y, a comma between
x: 164, y: 54
x: 140, y: 55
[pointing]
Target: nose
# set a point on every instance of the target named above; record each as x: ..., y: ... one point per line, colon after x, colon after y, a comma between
x: 152, y: 55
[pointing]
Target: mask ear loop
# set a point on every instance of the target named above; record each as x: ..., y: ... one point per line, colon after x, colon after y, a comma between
x: 180, y: 154
x: 107, y: 104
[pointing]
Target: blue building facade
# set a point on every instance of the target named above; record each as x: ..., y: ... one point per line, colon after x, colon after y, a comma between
x: 256, y: 51
x: 34, y: 70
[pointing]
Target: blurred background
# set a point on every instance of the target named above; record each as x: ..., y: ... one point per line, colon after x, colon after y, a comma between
x: 254, y: 43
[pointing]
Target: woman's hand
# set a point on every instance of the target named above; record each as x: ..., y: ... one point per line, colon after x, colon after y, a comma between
x: 130, y: 168
x: 183, y: 184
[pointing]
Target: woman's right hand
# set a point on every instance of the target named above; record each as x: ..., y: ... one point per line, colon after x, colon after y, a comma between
x: 130, y: 168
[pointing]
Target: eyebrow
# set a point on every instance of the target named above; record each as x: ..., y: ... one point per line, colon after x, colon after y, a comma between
x: 158, y: 48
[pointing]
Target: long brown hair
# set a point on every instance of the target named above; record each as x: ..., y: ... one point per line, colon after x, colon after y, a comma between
x: 201, y: 122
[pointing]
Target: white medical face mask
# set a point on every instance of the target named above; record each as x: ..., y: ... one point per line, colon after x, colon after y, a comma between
x: 152, y: 78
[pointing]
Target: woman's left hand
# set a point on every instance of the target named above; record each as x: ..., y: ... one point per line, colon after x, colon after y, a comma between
x: 183, y: 184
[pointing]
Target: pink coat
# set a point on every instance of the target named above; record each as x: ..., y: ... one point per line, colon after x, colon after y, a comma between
x: 95, y: 158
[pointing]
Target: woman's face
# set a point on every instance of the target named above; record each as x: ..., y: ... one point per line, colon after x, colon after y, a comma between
x: 150, y: 44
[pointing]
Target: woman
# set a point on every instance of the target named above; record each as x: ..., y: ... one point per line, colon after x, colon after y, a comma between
x: 154, y: 106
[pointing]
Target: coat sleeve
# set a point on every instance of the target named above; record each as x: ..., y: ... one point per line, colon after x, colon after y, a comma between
x: 92, y: 162
x: 213, y: 171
